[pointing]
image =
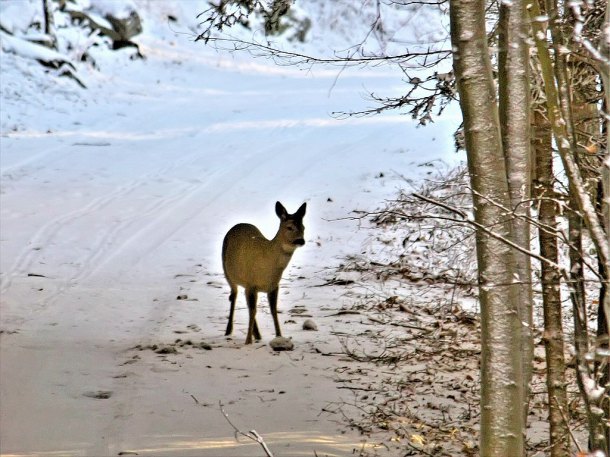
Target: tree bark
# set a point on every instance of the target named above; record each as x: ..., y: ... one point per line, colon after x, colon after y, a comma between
x: 502, y: 393
x: 556, y: 88
x: 559, y: 110
x: 605, y: 73
x: 49, y: 23
x: 604, y: 305
x: 551, y: 295
x: 514, y: 104
x: 588, y: 127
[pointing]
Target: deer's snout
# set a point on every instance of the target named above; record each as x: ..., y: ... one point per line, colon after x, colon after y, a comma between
x: 299, y: 242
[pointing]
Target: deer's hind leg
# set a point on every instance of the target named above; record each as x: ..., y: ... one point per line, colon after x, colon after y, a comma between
x: 251, y: 296
x: 272, y: 296
x: 232, y: 299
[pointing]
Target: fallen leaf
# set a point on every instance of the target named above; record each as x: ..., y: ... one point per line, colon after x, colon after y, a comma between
x: 418, y: 439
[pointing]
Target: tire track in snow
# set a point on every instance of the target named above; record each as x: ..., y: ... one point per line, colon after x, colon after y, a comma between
x: 171, y: 214
x: 102, y: 250
x: 49, y: 231
x: 173, y: 218
x: 23, y: 165
x: 46, y: 233
x: 106, y: 247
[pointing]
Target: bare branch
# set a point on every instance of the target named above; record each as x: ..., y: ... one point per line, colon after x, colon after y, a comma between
x: 251, y: 435
x: 296, y: 58
x: 567, y: 424
x: 426, y: 98
x: 468, y: 220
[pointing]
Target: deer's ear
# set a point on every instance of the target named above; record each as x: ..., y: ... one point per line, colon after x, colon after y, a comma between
x: 301, y: 211
x: 281, y: 211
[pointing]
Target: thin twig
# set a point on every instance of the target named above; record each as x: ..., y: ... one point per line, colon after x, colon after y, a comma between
x: 251, y: 435
x: 242, y: 45
x: 418, y: 449
x: 467, y: 220
x: 558, y: 233
x: 565, y: 419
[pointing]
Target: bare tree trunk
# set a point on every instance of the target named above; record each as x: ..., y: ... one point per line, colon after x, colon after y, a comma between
x: 502, y: 393
x: 582, y: 347
x: 604, y: 308
x: 551, y: 295
x: 602, y: 370
x: 556, y: 87
x: 48, y: 16
x: 581, y: 193
x: 577, y: 282
x: 514, y: 103
x: 605, y: 75
x: 559, y: 110
x: 588, y: 126
x: 49, y: 23
x: 604, y: 304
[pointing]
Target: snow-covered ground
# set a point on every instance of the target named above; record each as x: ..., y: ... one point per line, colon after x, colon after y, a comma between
x: 114, y: 202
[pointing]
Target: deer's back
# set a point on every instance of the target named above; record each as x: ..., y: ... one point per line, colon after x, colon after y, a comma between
x: 250, y: 260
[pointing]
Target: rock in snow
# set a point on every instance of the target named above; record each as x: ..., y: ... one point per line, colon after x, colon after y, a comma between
x: 310, y: 325
x: 280, y: 343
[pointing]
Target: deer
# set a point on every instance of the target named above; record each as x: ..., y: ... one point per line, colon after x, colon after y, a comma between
x: 255, y: 263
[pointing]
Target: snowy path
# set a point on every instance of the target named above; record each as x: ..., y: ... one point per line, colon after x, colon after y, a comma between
x: 115, y: 204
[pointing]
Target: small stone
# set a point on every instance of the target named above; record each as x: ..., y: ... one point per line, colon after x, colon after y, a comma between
x: 164, y: 349
x: 99, y: 394
x: 310, y: 325
x: 203, y: 345
x: 280, y: 343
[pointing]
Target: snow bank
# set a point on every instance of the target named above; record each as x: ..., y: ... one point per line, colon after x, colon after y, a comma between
x: 16, y: 16
x: 120, y: 10
x: 31, y: 50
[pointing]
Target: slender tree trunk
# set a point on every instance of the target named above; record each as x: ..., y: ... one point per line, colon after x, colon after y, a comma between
x: 605, y: 305
x: 559, y: 111
x: 48, y: 16
x: 514, y: 104
x: 556, y: 86
x: 582, y: 347
x: 560, y: 108
x: 604, y: 68
x: 502, y: 395
x: 551, y: 295
x: 588, y: 126
x: 602, y: 370
x: 577, y: 281
x: 605, y: 73
x: 49, y: 23
x: 579, y: 310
